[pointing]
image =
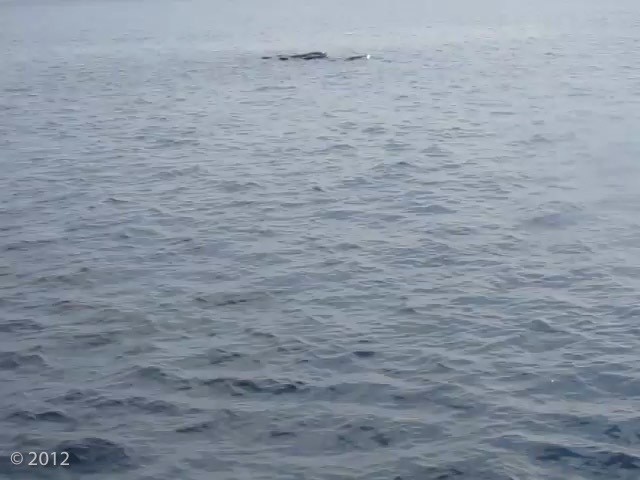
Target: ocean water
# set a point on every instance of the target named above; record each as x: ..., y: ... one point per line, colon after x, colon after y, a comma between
x: 424, y: 266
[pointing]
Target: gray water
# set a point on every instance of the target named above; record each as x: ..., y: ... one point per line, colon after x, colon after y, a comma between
x: 421, y: 266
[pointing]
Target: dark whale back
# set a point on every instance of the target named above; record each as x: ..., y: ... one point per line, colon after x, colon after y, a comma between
x: 314, y: 56
x: 310, y: 55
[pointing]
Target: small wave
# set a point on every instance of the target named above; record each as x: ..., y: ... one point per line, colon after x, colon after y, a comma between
x: 360, y: 435
x: 364, y: 353
x: 18, y: 326
x: 75, y: 277
x: 436, y: 151
x: 433, y: 209
x: 557, y: 215
x: 185, y: 171
x: 271, y: 88
x: 75, y: 395
x: 408, y: 311
x: 502, y: 113
x: 196, y: 428
x: 17, y: 90
x: 260, y: 333
x: 540, y: 325
x: 555, y: 220
x: 96, y: 455
x: 336, y: 147
x: 69, y: 306
x: 229, y: 299
x: 98, y: 339
x: 142, y: 404
x: 440, y: 473
x: 552, y: 220
x: 571, y: 248
x: 17, y: 360
x: 242, y: 387
x: 387, y: 168
x: 537, y: 139
x: 584, y: 458
x: 395, y: 146
x: 280, y: 434
x: 375, y: 130
x: 116, y: 200
x: 628, y: 313
x: 46, y: 416
x: 403, y: 163
x: 162, y: 143
x: 347, y: 125
x: 24, y: 245
x: 219, y: 356
x: 238, y: 186
x: 343, y: 247
x: 161, y: 376
x: 600, y: 428
x: 340, y: 214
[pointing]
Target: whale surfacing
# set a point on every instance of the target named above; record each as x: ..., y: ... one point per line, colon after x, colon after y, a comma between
x: 310, y: 55
x: 316, y: 55
x: 357, y: 57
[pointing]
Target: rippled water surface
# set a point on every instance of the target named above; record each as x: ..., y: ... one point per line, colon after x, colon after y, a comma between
x: 421, y: 266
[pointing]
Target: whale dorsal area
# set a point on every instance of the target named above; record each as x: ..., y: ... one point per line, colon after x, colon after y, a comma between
x: 310, y: 55
x: 314, y: 56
